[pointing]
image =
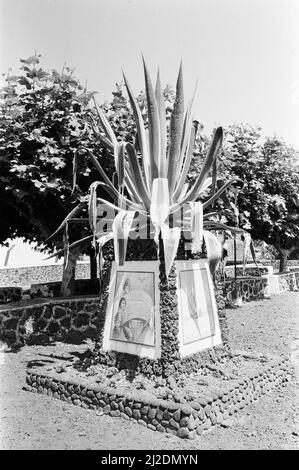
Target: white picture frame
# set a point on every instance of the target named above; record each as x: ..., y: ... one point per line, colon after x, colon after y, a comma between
x: 132, y: 322
x: 198, y: 318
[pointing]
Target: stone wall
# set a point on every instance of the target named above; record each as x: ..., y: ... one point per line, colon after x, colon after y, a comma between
x: 25, y: 276
x: 184, y: 421
x: 289, y: 281
x: 71, y: 320
x: 254, y: 288
x: 45, y: 290
x: 10, y: 294
x: 252, y: 271
x: 249, y: 288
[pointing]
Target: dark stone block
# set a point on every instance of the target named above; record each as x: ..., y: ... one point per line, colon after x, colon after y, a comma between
x: 47, y: 312
x: 128, y: 411
x: 183, y: 433
x: 75, y: 336
x: 144, y: 410
x: 167, y: 415
x: 160, y: 428
x: 53, y: 328
x: 177, y: 415
x: 65, y: 323
x: 11, y: 323
x: 151, y: 413
x: 184, y: 421
x: 81, y: 320
x: 41, y: 324
x: 59, y: 311
x: 151, y: 426
x: 174, y: 424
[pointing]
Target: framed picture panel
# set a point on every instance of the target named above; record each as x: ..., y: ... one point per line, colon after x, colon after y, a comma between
x: 132, y: 319
x: 198, y: 319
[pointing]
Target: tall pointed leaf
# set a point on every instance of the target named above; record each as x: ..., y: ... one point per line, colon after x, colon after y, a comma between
x: 110, y: 188
x: 121, y: 228
x: 212, y: 154
x: 219, y: 192
x: 92, y: 208
x: 136, y: 171
x: 176, y: 128
x: 105, y: 124
x: 141, y: 133
x: 153, y: 124
x: 75, y: 166
x: 83, y: 241
x: 131, y: 186
x: 214, y: 250
x: 121, y: 166
x: 185, y: 136
x: 196, y: 226
x: 186, y: 164
x: 214, y: 177
x: 171, y: 238
x: 71, y: 214
x: 162, y: 164
x: 159, y: 209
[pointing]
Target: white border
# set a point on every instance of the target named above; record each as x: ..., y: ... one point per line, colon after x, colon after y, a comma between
x: 152, y: 352
x: 205, y: 343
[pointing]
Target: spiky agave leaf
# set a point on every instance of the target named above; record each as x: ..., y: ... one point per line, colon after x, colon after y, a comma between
x: 104, y: 140
x: 142, y: 141
x: 162, y: 163
x: 153, y: 125
x: 212, y: 154
x: 120, y: 149
x: 220, y: 192
x: 171, y: 238
x: 121, y: 228
x: 159, y: 209
x: 71, y: 214
x: 176, y: 128
x: 130, y: 184
x: 105, y: 124
x: 72, y: 245
x: 214, y: 250
x: 138, y: 177
x: 214, y: 225
x: 116, y: 195
x: 186, y: 133
x: 186, y: 164
x: 129, y: 205
x: 196, y: 217
x: 214, y: 177
x: 92, y: 208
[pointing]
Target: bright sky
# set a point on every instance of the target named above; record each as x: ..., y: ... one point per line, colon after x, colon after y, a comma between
x: 245, y: 53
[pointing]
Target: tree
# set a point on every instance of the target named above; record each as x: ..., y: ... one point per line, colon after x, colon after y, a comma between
x: 269, y: 200
x: 42, y: 124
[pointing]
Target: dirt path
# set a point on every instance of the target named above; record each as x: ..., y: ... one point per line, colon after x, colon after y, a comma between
x: 30, y: 421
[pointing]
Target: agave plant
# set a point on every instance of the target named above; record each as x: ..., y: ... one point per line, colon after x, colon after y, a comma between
x: 152, y: 176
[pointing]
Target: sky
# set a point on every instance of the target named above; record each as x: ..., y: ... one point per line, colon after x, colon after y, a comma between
x: 244, y: 53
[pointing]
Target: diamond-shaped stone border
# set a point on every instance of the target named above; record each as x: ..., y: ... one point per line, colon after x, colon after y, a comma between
x: 185, y: 421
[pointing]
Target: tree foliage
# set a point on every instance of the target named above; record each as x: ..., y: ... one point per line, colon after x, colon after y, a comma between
x: 43, y: 121
x: 269, y: 200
